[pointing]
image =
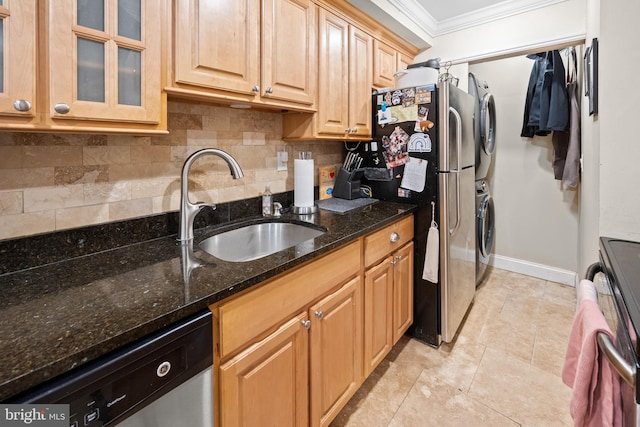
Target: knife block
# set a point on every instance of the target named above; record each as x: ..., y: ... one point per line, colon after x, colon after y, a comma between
x: 347, y: 185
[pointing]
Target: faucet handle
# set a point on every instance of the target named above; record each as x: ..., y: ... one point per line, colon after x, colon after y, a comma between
x: 201, y: 205
x: 277, y: 208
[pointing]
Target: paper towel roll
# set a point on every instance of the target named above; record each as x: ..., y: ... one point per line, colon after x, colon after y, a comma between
x: 303, y: 171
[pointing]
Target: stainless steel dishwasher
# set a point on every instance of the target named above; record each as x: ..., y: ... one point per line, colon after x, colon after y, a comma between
x: 162, y: 380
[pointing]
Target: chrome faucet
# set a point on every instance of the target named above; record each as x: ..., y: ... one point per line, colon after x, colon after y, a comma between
x: 188, y: 210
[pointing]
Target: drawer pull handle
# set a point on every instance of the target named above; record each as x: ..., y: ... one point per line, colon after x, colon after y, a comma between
x: 319, y: 314
x: 22, y: 105
x: 61, y: 108
x: 394, y: 237
x: 306, y: 323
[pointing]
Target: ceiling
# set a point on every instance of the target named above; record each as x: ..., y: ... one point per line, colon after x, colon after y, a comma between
x: 442, y: 10
x: 419, y: 21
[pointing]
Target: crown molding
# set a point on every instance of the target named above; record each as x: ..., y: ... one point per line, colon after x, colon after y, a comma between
x: 413, y: 12
x: 419, y: 21
x: 491, y: 13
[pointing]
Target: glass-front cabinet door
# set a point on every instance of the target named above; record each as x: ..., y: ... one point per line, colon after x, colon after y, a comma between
x: 18, y: 58
x: 105, y: 60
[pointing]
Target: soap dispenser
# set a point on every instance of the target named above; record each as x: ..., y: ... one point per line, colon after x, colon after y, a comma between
x: 267, y: 201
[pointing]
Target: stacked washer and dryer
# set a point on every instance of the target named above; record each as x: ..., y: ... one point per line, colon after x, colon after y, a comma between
x: 485, y: 132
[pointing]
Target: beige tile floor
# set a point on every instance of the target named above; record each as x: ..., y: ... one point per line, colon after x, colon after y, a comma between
x: 503, y: 369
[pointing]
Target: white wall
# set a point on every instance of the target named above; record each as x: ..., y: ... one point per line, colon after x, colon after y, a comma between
x: 536, y: 219
x: 538, y: 222
x: 589, y: 229
x: 619, y: 115
x: 556, y: 24
x: 609, y: 199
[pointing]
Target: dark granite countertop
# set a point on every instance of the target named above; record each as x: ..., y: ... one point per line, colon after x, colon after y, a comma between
x: 60, y: 315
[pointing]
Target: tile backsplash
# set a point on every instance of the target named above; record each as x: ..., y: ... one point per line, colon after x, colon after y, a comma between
x: 53, y: 182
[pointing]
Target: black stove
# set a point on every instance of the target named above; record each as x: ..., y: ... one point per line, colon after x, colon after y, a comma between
x: 621, y: 264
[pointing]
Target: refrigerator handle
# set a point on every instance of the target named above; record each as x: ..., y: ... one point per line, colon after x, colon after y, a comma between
x: 458, y: 169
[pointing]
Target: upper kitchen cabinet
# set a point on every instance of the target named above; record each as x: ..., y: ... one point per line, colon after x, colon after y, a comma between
x: 103, y: 68
x: 344, y: 85
x: 336, y: 116
x: 386, y: 62
x: 223, y: 51
x: 354, y: 51
x: 18, y: 58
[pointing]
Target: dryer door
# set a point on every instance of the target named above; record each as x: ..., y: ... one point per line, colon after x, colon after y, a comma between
x: 488, y: 123
x: 485, y: 225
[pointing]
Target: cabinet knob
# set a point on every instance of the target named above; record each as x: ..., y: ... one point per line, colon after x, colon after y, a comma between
x: 354, y: 130
x: 255, y: 88
x: 306, y: 323
x: 399, y: 257
x: 22, y: 105
x: 319, y: 314
x: 62, y: 108
x: 269, y: 90
x: 394, y: 237
x: 348, y: 130
x: 394, y: 262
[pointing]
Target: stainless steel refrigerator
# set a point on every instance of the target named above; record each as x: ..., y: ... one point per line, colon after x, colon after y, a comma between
x: 423, y: 151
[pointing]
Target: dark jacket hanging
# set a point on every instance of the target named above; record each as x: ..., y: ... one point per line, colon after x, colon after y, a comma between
x: 546, y: 107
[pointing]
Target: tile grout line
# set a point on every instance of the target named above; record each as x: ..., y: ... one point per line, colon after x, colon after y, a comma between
x: 405, y: 397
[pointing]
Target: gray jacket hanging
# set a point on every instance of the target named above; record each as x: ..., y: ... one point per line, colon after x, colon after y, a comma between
x: 566, y: 145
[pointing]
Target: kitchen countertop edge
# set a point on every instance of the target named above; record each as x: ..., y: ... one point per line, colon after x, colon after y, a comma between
x: 31, y: 376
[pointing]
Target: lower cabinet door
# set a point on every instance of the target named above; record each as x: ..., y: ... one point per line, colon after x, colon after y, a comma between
x: 336, y: 351
x: 378, y: 314
x: 268, y: 383
x: 402, y: 291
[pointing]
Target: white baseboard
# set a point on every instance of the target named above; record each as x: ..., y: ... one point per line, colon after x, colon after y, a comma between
x: 533, y: 269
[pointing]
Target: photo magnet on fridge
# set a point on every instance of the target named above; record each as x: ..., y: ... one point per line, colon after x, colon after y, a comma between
x: 423, y: 94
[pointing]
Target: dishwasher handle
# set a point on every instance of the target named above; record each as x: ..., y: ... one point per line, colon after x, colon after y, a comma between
x: 626, y: 371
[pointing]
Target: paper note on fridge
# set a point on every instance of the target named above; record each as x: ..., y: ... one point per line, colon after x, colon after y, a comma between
x: 401, y: 113
x: 415, y: 174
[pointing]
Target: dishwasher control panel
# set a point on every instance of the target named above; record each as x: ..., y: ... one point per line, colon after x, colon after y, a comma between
x: 119, y: 384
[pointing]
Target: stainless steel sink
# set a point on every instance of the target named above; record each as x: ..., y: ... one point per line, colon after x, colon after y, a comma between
x: 258, y: 240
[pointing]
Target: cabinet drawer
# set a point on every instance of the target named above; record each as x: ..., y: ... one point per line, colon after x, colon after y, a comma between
x: 247, y: 317
x: 379, y: 244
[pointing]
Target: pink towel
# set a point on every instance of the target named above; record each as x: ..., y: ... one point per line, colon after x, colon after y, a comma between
x: 595, y: 400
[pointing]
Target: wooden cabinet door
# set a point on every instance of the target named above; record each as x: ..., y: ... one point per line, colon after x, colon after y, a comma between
x: 289, y: 50
x: 378, y: 313
x: 336, y: 351
x: 385, y: 63
x: 268, y: 383
x: 344, y: 88
x: 402, y: 291
x: 403, y: 62
x: 333, y: 74
x: 360, y: 45
x: 216, y: 44
x: 104, y: 60
x: 18, y: 50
